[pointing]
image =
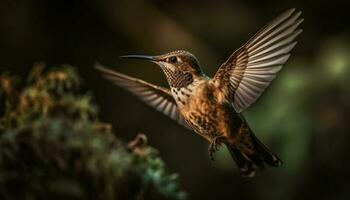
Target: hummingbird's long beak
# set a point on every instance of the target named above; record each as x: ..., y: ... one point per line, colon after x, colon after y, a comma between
x: 140, y: 57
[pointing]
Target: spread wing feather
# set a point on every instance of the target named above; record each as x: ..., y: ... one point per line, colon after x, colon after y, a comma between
x: 250, y: 69
x: 158, y: 97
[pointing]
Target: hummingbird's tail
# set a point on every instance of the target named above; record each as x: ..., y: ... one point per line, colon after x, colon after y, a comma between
x: 249, y: 163
x: 267, y: 155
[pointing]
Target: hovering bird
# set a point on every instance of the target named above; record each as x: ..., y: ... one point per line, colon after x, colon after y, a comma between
x: 212, y: 107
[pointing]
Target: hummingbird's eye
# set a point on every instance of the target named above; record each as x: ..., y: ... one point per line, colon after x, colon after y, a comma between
x: 173, y: 59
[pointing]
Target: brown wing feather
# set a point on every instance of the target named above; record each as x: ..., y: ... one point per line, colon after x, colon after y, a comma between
x: 249, y: 70
x: 158, y: 97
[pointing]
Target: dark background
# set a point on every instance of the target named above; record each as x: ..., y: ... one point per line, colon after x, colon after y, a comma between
x: 303, y: 116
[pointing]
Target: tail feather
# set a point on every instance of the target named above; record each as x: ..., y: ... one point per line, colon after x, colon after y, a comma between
x: 267, y: 155
x: 245, y: 166
x: 257, y: 160
x: 248, y: 164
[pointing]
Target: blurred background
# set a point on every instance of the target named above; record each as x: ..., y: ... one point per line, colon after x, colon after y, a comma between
x: 303, y: 116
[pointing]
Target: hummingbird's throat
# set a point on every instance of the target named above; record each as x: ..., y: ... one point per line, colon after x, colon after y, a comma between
x: 186, y: 94
x: 182, y: 95
x: 178, y: 79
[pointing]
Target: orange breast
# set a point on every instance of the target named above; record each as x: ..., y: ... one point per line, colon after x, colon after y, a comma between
x: 208, y: 116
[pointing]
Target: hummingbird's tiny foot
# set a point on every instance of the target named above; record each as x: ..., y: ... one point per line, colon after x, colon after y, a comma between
x: 211, y: 152
x: 214, y: 145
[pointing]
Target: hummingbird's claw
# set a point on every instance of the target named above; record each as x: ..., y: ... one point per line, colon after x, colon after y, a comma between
x: 214, y: 145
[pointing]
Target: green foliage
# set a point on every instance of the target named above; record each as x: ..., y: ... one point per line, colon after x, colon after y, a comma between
x: 52, y: 146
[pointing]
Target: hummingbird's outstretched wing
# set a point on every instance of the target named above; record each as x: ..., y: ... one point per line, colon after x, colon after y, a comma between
x: 158, y: 97
x: 251, y: 68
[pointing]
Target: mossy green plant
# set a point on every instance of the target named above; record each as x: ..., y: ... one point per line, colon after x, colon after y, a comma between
x: 53, y: 146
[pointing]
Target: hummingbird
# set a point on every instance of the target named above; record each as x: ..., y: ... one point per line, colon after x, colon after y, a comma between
x: 212, y: 107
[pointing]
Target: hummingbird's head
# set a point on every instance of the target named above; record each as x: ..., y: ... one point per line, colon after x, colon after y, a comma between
x: 180, y: 67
